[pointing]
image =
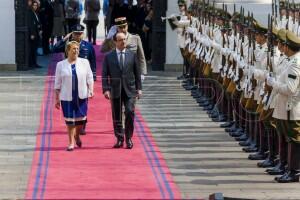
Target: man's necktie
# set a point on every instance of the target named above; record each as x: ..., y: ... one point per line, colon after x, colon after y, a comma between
x: 121, y: 60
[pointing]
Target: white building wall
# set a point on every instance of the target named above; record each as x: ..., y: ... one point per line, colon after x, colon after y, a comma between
x: 7, y: 39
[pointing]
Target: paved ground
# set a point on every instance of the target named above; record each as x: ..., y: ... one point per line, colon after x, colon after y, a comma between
x: 20, y: 103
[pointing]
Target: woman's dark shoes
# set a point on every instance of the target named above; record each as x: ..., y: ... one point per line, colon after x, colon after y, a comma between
x: 78, y: 142
x: 129, y: 144
x: 119, y: 144
x: 82, y: 131
x: 70, y: 148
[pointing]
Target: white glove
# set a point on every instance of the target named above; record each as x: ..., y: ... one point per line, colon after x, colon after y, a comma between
x: 189, y: 30
x: 266, y: 74
x: 217, y: 46
x: 142, y: 77
x: 242, y: 63
x: 246, y: 71
x: 112, y: 31
x: 173, y: 16
x: 225, y: 51
x: 271, y: 81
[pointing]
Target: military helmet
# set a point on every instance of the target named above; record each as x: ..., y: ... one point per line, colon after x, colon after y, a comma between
x: 181, y: 2
x: 292, y: 40
x: 281, y: 35
x: 259, y: 28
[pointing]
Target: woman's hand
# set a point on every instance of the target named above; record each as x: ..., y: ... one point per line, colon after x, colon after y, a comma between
x: 57, y: 104
x: 91, y: 94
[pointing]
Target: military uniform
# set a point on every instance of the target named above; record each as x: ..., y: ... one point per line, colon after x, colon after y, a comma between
x: 287, y: 107
x: 86, y: 50
x: 133, y: 42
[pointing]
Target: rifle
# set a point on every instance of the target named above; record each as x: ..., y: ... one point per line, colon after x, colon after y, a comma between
x: 266, y: 113
x: 253, y: 80
x: 287, y: 15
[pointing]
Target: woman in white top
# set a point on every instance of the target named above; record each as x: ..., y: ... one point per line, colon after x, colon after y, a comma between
x: 73, y: 85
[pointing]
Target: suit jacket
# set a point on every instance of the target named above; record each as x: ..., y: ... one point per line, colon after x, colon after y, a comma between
x: 63, y: 79
x: 34, y: 24
x: 114, y: 79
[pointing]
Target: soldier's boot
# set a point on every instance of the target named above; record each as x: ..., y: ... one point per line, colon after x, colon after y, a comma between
x: 251, y: 149
x: 269, y: 162
x: 181, y: 77
x: 258, y: 156
x: 237, y: 133
x: 293, y: 164
x: 232, y: 128
x: 208, y: 107
x: 213, y: 113
x: 250, y: 129
x: 243, y: 137
x: 289, y: 177
x: 246, y: 143
x: 201, y: 99
x: 227, y: 124
x: 261, y: 154
x: 279, y: 169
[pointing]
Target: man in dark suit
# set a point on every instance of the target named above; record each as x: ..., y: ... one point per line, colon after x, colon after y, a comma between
x: 121, y: 83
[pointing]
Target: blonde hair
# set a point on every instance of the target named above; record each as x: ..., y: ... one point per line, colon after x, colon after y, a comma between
x: 69, y: 45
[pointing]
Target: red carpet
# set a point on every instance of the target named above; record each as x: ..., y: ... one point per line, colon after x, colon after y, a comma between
x: 97, y: 171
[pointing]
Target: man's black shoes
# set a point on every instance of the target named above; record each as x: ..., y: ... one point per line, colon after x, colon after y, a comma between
x: 119, y: 144
x: 129, y: 144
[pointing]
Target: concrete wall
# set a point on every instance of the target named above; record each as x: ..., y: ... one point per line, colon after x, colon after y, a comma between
x: 7, y: 39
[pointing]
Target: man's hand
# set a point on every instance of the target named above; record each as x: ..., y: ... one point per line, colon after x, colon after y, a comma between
x: 32, y: 37
x: 139, y: 94
x: 67, y: 36
x: 107, y: 95
x: 142, y: 77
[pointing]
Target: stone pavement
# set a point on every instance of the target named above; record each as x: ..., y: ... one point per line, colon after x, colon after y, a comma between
x: 20, y: 103
x: 202, y: 157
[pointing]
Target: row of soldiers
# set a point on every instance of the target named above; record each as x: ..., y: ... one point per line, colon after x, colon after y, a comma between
x: 247, y: 76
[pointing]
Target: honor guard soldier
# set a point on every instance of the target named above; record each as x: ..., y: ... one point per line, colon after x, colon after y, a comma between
x: 86, y: 49
x: 281, y: 147
x: 180, y: 23
x: 287, y: 107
